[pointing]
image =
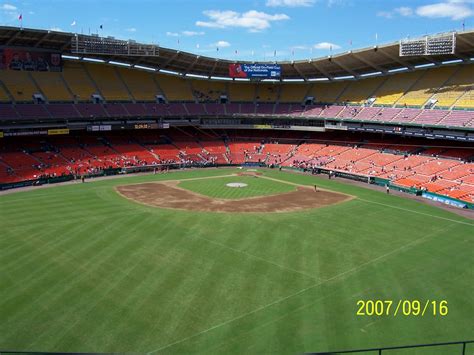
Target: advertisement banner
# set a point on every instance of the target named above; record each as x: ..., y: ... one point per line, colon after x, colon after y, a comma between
x: 53, y: 132
x: 442, y: 199
x: 29, y: 60
x: 262, y: 71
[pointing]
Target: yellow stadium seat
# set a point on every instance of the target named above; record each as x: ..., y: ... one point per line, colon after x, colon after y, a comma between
x: 175, y: 88
x: 208, y: 90
x: 267, y: 92
x: 431, y: 80
x: 78, y: 81
x: 360, y: 90
x: 108, y: 82
x: 52, y: 86
x: 4, y: 95
x: 242, y: 92
x: 19, y: 84
x: 294, y: 93
x: 328, y: 92
x: 140, y: 83
x: 395, y: 87
x: 458, y: 90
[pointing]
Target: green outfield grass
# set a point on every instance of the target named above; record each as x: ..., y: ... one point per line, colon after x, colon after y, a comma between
x: 85, y: 270
x: 255, y: 187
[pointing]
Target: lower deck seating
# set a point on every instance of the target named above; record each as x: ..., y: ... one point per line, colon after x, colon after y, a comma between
x: 442, y: 170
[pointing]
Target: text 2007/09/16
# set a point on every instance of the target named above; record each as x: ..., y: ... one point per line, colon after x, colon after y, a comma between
x: 406, y: 308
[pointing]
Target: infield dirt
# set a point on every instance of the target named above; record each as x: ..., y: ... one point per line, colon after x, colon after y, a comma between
x: 168, y: 194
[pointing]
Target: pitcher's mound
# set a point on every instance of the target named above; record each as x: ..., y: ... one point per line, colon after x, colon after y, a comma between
x: 168, y: 195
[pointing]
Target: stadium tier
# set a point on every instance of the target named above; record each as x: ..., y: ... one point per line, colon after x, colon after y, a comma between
x: 453, y: 118
x: 446, y: 87
x: 445, y: 171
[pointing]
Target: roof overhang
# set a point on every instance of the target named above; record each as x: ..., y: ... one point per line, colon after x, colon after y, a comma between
x: 356, y: 63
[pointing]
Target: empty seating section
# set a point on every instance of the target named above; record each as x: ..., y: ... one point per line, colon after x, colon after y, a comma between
x: 78, y: 81
x: 20, y: 85
x: 207, y: 90
x: 244, y: 92
x: 4, y: 97
x: 437, y: 169
x: 141, y: 84
x: 454, y: 89
x: 110, y: 85
x: 458, y: 118
x: 52, y: 85
x: 328, y: 92
x: 451, y: 86
x: 395, y: 86
x: 175, y: 88
x: 425, y: 88
x: 360, y: 90
x: 267, y: 92
x: 293, y: 93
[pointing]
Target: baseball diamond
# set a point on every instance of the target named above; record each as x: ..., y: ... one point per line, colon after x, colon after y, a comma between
x: 251, y: 177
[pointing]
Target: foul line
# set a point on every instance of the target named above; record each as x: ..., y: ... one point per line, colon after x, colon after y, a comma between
x: 381, y: 204
x: 417, y: 212
x: 357, y: 268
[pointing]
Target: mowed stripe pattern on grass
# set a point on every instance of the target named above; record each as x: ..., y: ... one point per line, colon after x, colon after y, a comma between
x: 82, y: 269
x: 217, y: 188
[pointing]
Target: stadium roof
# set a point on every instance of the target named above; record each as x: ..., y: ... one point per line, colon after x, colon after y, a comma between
x: 382, y: 58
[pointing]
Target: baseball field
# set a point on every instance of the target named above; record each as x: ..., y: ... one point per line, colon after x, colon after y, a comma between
x: 182, y: 263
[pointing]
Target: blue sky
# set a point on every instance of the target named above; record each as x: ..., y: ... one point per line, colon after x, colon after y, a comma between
x: 295, y: 29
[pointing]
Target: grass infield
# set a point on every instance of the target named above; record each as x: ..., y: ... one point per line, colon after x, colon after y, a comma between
x: 84, y: 270
x: 255, y: 187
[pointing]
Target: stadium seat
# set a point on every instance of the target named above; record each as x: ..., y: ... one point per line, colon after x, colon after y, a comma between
x: 328, y: 92
x: 426, y: 87
x: 52, y: 85
x: 78, y: 81
x: 108, y: 82
x: 20, y: 85
x: 175, y: 88
x: 208, y: 90
x: 359, y: 91
x: 141, y: 84
x: 242, y: 92
x: 293, y: 93
x: 457, y: 91
x: 391, y: 91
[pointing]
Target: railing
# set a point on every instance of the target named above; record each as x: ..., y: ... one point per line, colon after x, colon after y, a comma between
x: 462, y: 348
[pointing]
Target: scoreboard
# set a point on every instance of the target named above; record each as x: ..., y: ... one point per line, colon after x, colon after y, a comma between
x: 429, y: 45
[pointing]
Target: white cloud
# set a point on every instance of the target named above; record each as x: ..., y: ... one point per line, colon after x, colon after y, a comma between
x: 131, y: 29
x: 220, y: 44
x: 8, y: 7
x: 454, y: 9
x: 192, y: 33
x: 57, y: 29
x: 172, y: 34
x: 253, y: 20
x: 290, y: 3
x: 404, y: 11
x: 326, y: 46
